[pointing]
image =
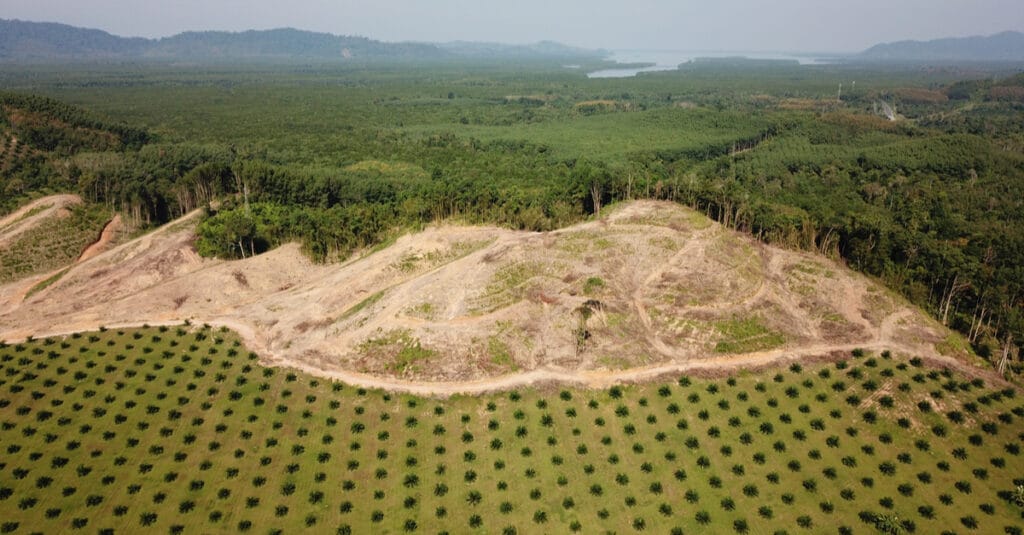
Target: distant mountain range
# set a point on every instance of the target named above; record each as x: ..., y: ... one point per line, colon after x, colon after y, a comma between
x: 45, y: 41
x: 1006, y: 46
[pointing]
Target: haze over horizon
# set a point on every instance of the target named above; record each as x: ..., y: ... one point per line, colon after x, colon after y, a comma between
x: 737, y: 25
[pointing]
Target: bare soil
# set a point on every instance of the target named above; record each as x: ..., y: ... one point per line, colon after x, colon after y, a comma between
x: 106, y: 239
x: 649, y: 289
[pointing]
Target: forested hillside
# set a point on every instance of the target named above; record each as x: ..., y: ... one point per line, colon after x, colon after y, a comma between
x: 930, y: 202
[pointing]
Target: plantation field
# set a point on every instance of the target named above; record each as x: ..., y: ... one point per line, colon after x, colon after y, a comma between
x: 180, y: 430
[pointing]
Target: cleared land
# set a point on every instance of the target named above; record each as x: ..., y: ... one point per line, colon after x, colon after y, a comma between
x: 47, y: 235
x: 179, y: 430
x: 650, y: 285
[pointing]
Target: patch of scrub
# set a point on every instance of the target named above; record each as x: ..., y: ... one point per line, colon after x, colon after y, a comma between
x: 414, y: 261
x: 387, y: 168
x: 500, y: 354
x: 739, y: 255
x: 745, y: 335
x: 574, y: 242
x: 663, y: 242
x: 425, y: 310
x: 678, y: 218
x: 815, y: 269
x: 879, y: 304
x: 509, y: 285
x: 360, y: 306
x: 593, y: 285
x: 46, y: 283
x: 954, y: 345
x: 399, y: 349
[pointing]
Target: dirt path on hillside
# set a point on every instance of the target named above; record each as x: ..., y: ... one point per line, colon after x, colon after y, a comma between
x: 550, y: 375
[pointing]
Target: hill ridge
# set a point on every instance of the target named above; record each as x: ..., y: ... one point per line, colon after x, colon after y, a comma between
x: 1003, y: 46
x: 26, y: 40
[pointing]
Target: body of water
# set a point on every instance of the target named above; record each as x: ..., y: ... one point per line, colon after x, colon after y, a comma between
x: 669, y: 60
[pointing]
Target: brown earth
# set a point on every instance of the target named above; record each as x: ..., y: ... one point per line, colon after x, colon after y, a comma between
x: 106, y: 239
x: 649, y: 289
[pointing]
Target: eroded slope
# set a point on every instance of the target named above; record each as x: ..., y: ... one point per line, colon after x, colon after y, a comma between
x: 650, y: 284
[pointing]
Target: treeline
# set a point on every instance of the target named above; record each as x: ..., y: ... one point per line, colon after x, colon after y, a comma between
x: 334, y: 213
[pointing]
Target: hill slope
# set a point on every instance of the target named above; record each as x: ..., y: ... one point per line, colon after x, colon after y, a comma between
x: 1006, y: 46
x: 651, y: 285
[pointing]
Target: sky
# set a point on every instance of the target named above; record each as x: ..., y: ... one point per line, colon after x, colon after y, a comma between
x: 704, y: 25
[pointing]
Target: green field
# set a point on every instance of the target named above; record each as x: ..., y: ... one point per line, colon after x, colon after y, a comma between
x: 180, y: 430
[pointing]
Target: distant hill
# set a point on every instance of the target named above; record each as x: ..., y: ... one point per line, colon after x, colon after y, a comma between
x: 1006, y: 46
x: 546, y: 49
x: 28, y: 41
x: 46, y: 41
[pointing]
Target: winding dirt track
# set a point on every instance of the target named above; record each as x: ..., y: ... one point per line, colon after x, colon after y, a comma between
x: 550, y: 375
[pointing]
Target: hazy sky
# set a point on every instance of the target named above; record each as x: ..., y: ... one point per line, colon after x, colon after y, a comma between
x: 742, y: 25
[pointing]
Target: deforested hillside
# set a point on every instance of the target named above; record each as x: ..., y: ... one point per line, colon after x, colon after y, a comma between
x: 648, y: 285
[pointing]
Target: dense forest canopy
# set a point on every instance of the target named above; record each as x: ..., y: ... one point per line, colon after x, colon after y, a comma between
x: 342, y: 158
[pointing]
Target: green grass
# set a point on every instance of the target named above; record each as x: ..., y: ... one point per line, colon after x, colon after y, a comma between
x: 46, y: 283
x: 362, y: 305
x: 509, y: 284
x: 180, y: 430
x: 593, y: 285
x: 744, y: 335
x: 500, y: 353
x: 398, y: 348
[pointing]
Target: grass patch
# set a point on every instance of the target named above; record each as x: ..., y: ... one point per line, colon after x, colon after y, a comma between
x: 46, y: 283
x: 745, y: 335
x: 593, y: 285
x: 413, y: 261
x: 424, y: 310
x: 362, y: 305
x: 508, y: 285
x: 955, y: 345
x: 500, y: 353
x: 399, y: 347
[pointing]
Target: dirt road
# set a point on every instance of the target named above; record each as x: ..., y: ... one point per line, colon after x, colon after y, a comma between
x: 550, y: 375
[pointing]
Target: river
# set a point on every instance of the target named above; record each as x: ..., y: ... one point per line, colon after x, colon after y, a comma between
x: 669, y: 60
